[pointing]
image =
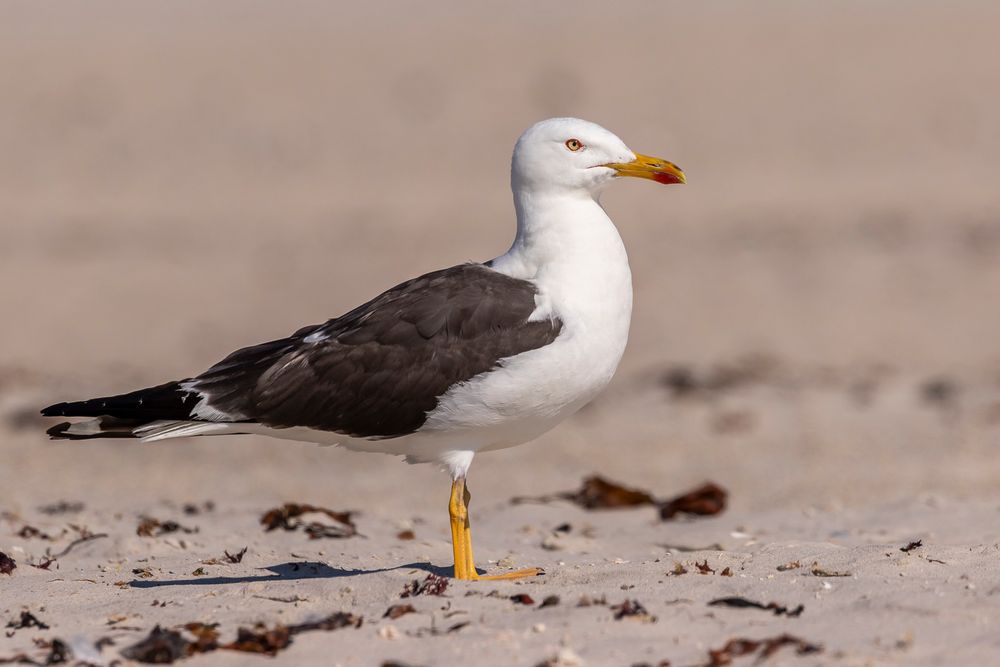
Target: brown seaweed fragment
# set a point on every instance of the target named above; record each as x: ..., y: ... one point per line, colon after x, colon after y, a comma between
x: 744, y: 603
x: 159, y: 647
x: 632, y: 609
x: 62, y: 507
x: 763, y: 648
x: 708, y: 499
x: 431, y: 585
x: 7, y: 564
x: 596, y: 493
x: 27, y: 620
x: 288, y: 517
x: 397, y: 610
x: 704, y: 567
x: 166, y: 646
x: 150, y: 527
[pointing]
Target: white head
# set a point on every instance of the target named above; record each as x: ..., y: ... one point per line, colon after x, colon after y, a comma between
x: 573, y: 155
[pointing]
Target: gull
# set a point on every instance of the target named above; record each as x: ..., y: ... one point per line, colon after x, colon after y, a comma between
x: 468, y: 359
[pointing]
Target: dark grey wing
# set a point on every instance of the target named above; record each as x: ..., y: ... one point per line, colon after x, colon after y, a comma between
x: 378, y: 370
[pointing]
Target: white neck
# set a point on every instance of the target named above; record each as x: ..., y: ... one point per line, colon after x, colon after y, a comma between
x: 567, y: 245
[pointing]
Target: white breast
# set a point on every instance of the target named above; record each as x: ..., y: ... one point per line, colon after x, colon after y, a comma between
x: 582, y: 274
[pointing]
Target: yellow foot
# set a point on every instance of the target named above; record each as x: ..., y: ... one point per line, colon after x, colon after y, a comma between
x: 461, y: 539
x: 517, y: 574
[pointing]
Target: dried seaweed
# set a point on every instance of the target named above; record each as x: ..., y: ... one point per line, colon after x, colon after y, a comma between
x: 406, y: 535
x: 27, y: 620
x: 597, y: 493
x: 227, y: 559
x: 7, y: 564
x: 261, y: 639
x: 818, y: 571
x: 29, y: 532
x: 432, y: 585
x: 397, y: 610
x: 193, y: 509
x: 522, y: 598
x: 707, y: 500
x: 58, y: 653
x: 61, y: 507
x: 166, y: 646
x: 549, y: 601
x: 744, y: 603
x: 236, y: 557
x: 160, y: 647
x: 150, y: 527
x: 916, y: 544
x: 335, y: 621
x: 632, y: 609
x: 704, y: 567
x: 268, y: 641
x: 763, y: 648
x: 287, y: 517
x: 85, y: 536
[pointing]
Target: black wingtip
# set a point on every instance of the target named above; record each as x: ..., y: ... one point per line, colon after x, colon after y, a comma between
x: 64, y: 431
x: 55, y: 410
x: 59, y: 431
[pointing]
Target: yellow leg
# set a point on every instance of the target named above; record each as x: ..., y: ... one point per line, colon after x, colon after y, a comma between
x: 459, y: 515
x: 461, y: 539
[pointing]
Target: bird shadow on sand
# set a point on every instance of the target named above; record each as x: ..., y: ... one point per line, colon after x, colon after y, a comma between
x: 288, y: 572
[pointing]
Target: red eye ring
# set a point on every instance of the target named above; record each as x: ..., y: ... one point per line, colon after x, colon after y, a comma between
x: 574, y: 144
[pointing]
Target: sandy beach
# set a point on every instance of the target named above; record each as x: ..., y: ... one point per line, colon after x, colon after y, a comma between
x: 815, y: 331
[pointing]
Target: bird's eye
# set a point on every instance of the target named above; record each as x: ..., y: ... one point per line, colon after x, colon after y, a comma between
x: 574, y: 144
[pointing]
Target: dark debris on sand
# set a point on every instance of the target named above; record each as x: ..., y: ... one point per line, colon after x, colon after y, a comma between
x: 7, y: 564
x: 598, y: 493
x: 27, y: 620
x: 289, y: 517
x: 431, y: 585
x: 58, y: 653
x: 398, y: 610
x: 163, y: 646
x: 150, y: 527
x: 762, y: 648
x: 743, y: 603
x: 632, y: 609
x: 708, y: 499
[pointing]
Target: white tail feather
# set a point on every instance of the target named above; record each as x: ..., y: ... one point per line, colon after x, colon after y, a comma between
x: 164, y: 430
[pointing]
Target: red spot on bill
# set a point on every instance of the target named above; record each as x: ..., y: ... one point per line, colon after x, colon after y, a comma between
x: 665, y: 178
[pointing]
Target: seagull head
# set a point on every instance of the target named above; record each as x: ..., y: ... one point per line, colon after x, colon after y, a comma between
x: 573, y: 155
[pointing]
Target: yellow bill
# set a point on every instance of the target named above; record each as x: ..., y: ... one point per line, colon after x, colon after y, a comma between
x: 653, y: 168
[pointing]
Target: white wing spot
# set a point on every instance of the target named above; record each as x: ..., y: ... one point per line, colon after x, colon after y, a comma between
x: 316, y: 337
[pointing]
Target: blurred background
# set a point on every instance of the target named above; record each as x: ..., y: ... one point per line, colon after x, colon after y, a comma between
x: 816, y: 316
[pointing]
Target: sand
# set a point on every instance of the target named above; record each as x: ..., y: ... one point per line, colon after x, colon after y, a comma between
x: 815, y: 325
